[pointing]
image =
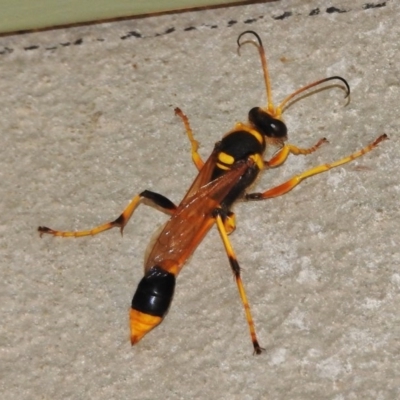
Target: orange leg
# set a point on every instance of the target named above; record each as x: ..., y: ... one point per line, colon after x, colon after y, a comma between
x: 198, y: 162
x: 280, y: 157
x: 154, y: 199
x: 236, y: 271
x: 291, y: 183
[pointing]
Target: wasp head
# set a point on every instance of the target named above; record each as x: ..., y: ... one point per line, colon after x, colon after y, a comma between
x: 266, y: 124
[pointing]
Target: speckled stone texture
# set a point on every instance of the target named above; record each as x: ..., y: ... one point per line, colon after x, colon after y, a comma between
x: 87, y: 122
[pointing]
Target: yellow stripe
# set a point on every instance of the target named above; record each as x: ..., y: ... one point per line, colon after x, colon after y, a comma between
x: 222, y: 166
x: 239, y: 126
x: 258, y: 160
x: 141, y: 324
x: 225, y: 158
x: 257, y: 135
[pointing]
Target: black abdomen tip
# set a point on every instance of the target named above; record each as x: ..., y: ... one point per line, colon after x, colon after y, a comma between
x: 154, y: 293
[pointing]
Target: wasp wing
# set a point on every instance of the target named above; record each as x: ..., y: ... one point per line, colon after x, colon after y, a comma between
x: 193, y: 218
x: 204, y: 175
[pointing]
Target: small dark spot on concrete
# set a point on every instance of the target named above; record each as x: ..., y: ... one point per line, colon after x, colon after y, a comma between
x: 31, y: 48
x: 66, y: 44
x: 285, y: 15
x: 313, y: 12
x: 190, y: 28
x: 6, y: 50
x: 100, y: 40
x: 130, y: 34
x: 250, y: 20
x: 367, y: 6
x: 213, y: 26
x: 170, y: 30
x: 78, y: 42
x: 331, y: 10
x: 232, y: 22
x: 51, y: 48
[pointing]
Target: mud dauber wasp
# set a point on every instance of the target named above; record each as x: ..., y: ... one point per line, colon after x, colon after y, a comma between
x: 232, y: 167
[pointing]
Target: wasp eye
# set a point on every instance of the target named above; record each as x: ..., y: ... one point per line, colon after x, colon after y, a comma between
x: 266, y: 124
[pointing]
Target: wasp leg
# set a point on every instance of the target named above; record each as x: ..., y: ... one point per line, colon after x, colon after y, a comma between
x: 236, y: 271
x: 151, y: 198
x: 198, y: 162
x: 280, y: 157
x: 291, y: 183
x: 230, y: 222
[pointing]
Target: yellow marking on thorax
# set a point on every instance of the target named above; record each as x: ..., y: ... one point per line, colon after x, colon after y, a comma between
x: 225, y: 158
x: 222, y: 166
x: 239, y: 126
x: 257, y: 135
x: 257, y: 158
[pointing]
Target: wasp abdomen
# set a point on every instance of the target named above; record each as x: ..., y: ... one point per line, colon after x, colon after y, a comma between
x: 151, y: 301
x: 154, y: 292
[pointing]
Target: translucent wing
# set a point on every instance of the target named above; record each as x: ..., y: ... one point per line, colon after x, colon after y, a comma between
x: 194, y: 217
x: 204, y: 176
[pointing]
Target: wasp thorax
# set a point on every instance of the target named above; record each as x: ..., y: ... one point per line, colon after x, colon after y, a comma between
x: 266, y: 124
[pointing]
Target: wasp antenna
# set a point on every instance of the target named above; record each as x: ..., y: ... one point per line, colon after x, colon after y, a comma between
x: 253, y: 33
x: 313, y: 84
x: 270, y: 106
x: 340, y: 79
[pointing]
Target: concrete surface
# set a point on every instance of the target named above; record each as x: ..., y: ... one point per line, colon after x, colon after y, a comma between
x: 87, y: 121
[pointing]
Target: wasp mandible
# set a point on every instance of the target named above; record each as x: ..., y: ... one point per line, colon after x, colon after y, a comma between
x: 225, y: 177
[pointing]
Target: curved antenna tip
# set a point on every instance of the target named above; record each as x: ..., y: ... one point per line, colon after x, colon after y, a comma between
x: 342, y: 80
x: 252, y: 33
